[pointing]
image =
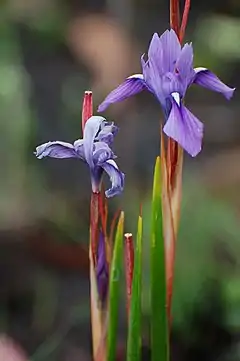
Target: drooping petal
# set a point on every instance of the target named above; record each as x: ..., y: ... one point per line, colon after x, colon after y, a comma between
x: 91, y: 129
x: 102, y: 272
x: 131, y: 86
x: 107, y: 133
x: 171, y: 49
x: 184, y: 128
x: 79, y: 148
x: 209, y: 80
x: 56, y: 149
x: 101, y: 153
x: 116, y: 178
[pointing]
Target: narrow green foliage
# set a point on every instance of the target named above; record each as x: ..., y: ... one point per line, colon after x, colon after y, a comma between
x: 134, y: 327
x: 159, y: 329
x: 114, y: 288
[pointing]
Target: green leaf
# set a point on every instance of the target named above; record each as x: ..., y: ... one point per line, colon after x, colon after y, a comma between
x: 114, y: 289
x: 134, y: 327
x: 159, y: 326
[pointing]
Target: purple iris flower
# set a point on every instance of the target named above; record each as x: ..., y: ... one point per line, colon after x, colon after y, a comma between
x: 167, y: 74
x: 94, y: 149
x: 102, y: 272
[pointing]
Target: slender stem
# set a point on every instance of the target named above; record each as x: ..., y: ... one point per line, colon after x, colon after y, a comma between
x: 94, y: 224
x: 174, y: 16
x: 129, y: 266
x: 184, y: 20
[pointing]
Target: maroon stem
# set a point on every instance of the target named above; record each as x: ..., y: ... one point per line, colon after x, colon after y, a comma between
x: 129, y: 267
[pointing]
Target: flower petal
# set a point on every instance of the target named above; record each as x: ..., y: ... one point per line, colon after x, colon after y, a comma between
x: 101, y: 153
x: 56, y: 149
x: 209, y: 80
x: 153, y: 79
x: 91, y: 129
x: 184, y: 67
x: 155, y: 55
x: 116, y: 178
x: 171, y: 49
x: 185, y: 61
x: 131, y: 86
x: 107, y: 133
x: 79, y: 148
x: 184, y: 128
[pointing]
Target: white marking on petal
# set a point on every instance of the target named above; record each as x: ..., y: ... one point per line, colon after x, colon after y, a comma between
x: 197, y: 70
x: 136, y: 76
x: 176, y: 97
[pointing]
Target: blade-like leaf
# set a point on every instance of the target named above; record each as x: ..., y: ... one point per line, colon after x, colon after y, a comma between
x: 114, y: 288
x: 134, y: 326
x: 159, y: 326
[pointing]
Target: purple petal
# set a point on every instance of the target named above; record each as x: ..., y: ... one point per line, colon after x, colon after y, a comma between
x: 209, y: 80
x: 185, y: 61
x: 102, y: 269
x: 171, y: 49
x: 131, y: 86
x: 91, y: 129
x: 107, y: 133
x: 184, y: 67
x: 155, y: 55
x: 56, y: 149
x: 116, y: 178
x: 153, y: 78
x: 155, y: 47
x: 184, y: 128
x: 102, y: 153
x: 79, y: 148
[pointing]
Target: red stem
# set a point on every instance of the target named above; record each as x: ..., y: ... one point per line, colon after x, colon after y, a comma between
x: 129, y: 266
x: 87, y: 108
x: 94, y: 222
x: 174, y: 16
x: 184, y: 20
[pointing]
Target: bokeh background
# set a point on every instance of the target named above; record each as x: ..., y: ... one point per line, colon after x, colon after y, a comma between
x: 50, y: 52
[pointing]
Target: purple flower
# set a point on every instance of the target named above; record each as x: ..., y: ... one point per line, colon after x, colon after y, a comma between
x: 167, y: 74
x: 94, y: 149
x: 102, y: 272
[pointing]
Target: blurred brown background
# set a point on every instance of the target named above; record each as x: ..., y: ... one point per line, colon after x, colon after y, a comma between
x: 50, y: 52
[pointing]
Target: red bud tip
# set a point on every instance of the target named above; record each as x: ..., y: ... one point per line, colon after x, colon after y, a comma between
x: 129, y: 266
x: 87, y: 108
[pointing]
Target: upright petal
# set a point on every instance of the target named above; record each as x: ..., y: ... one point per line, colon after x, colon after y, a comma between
x: 91, y: 129
x: 155, y: 47
x: 184, y: 63
x: 171, y: 49
x: 131, y: 86
x: 184, y: 68
x: 116, y: 178
x: 155, y: 54
x: 107, y: 133
x: 209, y: 80
x: 101, y: 153
x: 184, y: 128
x: 56, y: 149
